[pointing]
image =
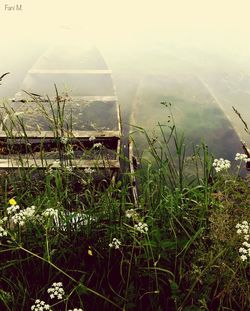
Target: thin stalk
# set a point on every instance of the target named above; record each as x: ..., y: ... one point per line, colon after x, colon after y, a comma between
x: 70, y: 277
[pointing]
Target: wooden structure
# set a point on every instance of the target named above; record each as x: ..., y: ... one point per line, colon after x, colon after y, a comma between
x: 247, y: 152
x: 67, y: 114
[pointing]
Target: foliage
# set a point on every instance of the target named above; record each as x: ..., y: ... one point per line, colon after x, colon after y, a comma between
x: 176, y: 250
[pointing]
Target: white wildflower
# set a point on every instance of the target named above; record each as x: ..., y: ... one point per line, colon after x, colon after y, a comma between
x: 91, y: 138
x: 75, y: 309
x: 242, y: 250
x: 115, y: 243
x: 56, y: 291
x: 24, y: 215
x: 3, y: 220
x: 40, y: 305
x: 131, y: 213
x: 89, y: 170
x: 241, y: 157
x: 243, y: 229
x: 3, y: 232
x: 141, y: 227
x: 246, y: 244
x: 12, y: 209
x: 243, y: 257
x: 97, y: 145
x: 221, y: 164
x: 64, y: 140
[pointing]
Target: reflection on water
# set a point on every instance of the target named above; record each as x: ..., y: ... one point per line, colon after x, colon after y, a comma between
x: 81, y: 76
x: 195, y: 112
x: 202, y: 87
x: 78, y: 115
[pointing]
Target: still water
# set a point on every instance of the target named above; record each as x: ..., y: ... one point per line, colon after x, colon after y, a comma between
x: 202, y: 88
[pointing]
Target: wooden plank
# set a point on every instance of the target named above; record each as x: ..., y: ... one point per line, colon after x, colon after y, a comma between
x: 70, y: 71
x: 247, y: 152
x: 90, y: 98
x: 94, y: 98
x: 98, y: 164
x: 74, y: 134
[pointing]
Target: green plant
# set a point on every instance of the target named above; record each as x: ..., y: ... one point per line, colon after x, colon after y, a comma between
x: 176, y: 250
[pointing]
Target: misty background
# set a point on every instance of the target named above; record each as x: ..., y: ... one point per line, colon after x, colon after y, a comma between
x: 192, y: 53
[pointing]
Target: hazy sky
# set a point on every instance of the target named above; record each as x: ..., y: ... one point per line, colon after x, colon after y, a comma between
x: 124, y: 29
x: 205, y: 33
x: 222, y: 23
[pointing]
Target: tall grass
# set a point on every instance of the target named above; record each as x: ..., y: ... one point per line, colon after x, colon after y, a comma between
x: 178, y: 248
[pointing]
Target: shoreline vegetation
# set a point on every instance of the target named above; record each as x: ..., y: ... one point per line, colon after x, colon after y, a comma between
x: 72, y: 239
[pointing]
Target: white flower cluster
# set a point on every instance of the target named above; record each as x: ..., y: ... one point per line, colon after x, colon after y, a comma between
x: 3, y: 232
x: 3, y: 220
x: 64, y: 140
x: 141, y: 227
x: 89, y: 170
x: 50, y: 212
x: 221, y: 164
x: 12, y: 209
x: 97, y: 145
x: 56, y: 291
x: 244, y: 229
x: 24, y: 215
x: 242, y: 157
x: 91, y: 138
x: 75, y: 309
x: 131, y: 213
x: 115, y: 243
x: 40, y: 305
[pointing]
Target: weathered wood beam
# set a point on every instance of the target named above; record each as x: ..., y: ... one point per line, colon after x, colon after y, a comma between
x: 70, y: 71
x: 38, y: 163
x: 72, y: 134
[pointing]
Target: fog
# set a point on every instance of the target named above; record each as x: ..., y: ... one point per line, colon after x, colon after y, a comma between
x: 144, y: 43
